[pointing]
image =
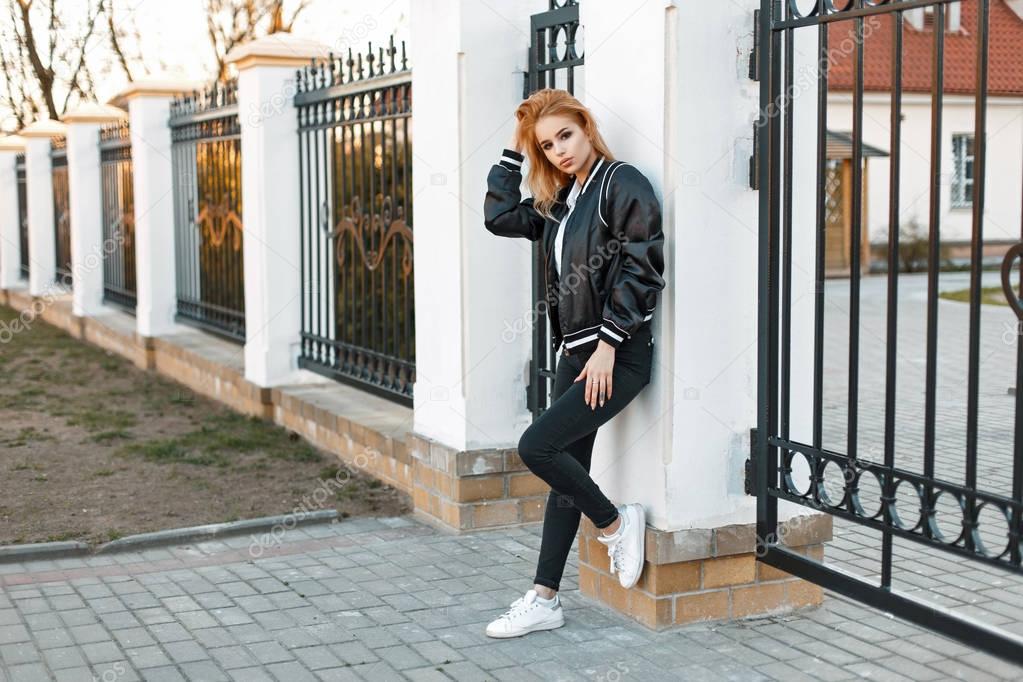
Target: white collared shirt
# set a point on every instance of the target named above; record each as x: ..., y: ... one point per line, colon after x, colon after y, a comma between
x: 559, y: 239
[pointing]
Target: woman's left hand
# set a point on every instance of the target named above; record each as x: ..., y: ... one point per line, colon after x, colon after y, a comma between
x: 597, y: 373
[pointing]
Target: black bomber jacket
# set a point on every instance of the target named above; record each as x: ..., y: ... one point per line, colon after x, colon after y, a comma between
x: 612, y: 255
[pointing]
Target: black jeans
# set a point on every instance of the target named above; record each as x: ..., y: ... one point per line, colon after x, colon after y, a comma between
x: 558, y: 445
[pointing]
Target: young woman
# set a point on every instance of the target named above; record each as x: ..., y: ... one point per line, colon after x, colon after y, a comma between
x: 600, y: 222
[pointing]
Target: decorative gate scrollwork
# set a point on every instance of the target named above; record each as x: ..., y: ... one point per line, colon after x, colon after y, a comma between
x: 206, y: 155
x: 900, y: 492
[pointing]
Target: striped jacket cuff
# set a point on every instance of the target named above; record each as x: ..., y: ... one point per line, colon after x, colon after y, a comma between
x: 610, y: 334
x: 511, y: 160
x: 615, y: 335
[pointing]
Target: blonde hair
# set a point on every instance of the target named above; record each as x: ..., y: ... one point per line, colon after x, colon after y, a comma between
x: 545, y: 179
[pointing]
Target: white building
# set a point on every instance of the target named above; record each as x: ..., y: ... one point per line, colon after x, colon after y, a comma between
x: 1002, y: 218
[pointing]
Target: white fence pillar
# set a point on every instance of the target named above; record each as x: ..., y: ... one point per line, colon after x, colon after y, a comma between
x: 85, y: 186
x: 148, y: 105
x: 42, y: 240
x: 686, y: 120
x: 473, y: 300
x: 10, y: 219
x: 271, y: 247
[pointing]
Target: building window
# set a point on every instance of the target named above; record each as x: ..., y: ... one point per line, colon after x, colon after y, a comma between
x: 923, y: 18
x: 962, y: 171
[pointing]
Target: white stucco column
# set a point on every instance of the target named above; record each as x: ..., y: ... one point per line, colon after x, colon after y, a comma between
x: 85, y: 189
x: 686, y: 121
x: 42, y: 241
x: 148, y: 104
x: 472, y: 289
x: 271, y: 203
x: 10, y: 227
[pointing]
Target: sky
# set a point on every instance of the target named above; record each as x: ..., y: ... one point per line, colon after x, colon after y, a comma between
x: 175, y: 44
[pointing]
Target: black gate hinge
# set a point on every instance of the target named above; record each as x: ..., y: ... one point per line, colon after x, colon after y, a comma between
x: 754, y: 54
x: 754, y: 159
x: 750, y: 482
x: 754, y: 74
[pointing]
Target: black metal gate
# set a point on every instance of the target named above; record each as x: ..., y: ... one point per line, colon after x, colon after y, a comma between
x: 355, y: 156
x: 206, y: 156
x: 552, y: 62
x: 117, y: 195
x: 904, y: 494
x: 19, y: 169
x: 61, y: 209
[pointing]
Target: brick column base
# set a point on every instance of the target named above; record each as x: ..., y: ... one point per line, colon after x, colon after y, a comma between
x: 704, y: 574
x: 473, y: 489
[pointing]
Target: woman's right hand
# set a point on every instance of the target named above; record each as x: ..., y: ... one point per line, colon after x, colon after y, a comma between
x: 513, y: 142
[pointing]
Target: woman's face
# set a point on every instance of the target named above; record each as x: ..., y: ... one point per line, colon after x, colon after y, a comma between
x: 563, y: 142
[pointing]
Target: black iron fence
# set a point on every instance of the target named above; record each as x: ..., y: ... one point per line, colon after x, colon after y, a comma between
x: 206, y: 157
x: 930, y: 497
x: 61, y: 209
x: 358, y: 307
x: 19, y: 168
x: 553, y: 59
x: 118, y: 215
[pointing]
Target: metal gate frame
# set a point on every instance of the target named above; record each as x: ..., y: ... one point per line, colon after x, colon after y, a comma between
x: 774, y: 151
x: 118, y: 210
x: 560, y: 20
x: 19, y: 168
x: 355, y: 227
x: 206, y: 158
x: 61, y: 211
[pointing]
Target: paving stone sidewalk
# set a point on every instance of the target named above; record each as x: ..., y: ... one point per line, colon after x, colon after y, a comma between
x: 396, y: 599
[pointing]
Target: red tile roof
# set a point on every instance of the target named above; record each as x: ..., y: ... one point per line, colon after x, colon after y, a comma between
x: 1005, y: 53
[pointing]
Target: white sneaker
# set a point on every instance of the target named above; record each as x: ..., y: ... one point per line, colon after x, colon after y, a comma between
x: 526, y: 615
x: 627, y: 547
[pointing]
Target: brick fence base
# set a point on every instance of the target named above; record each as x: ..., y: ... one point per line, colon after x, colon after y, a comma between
x: 704, y: 574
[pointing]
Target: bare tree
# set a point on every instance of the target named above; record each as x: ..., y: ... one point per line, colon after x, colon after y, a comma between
x: 16, y: 95
x: 45, y: 58
x: 233, y: 22
x: 121, y: 31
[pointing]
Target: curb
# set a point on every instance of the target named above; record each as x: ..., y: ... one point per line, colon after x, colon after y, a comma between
x: 42, y: 550
x: 61, y: 550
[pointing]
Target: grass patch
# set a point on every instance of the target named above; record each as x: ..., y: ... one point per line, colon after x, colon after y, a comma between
x: 220, y: 437
x: 334, y: 472
x: 989, y: 295
x: 79, y: 418
x: 107, y: 436
x: 24, y: 437
x: 111, y: 364
x: 170, y: 451
x: 92, y: 419
x: 29, y: 398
